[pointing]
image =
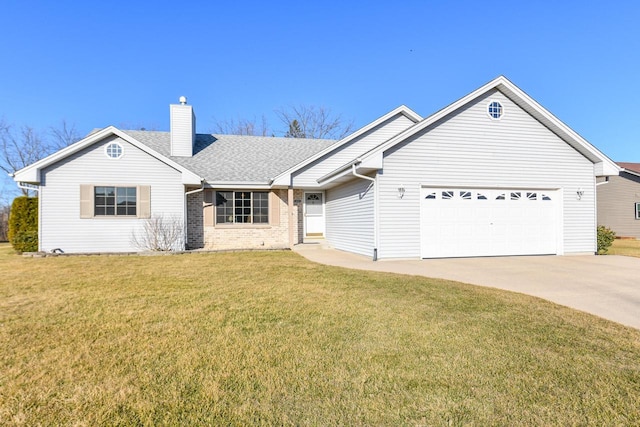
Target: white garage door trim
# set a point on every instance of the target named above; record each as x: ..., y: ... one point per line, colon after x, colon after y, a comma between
x: 468, y: 222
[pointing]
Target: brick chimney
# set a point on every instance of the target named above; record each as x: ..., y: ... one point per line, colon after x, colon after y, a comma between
x: 183, y: 128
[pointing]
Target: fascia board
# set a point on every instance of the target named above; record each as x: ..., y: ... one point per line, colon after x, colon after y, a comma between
x: 596, y: 156
x: 188, y: 177
x: 282, y: 180
x: 227, y: 185
x: 371, y: 163
x: 32, y: 173
x: 629, y: 171
x: 431, y: 119
x: 583, y: 146
x: 404, y: 110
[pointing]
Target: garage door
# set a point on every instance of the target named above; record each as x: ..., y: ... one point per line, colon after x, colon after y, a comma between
x: 458, y: 222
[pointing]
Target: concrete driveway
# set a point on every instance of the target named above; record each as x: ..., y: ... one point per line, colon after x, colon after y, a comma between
x: 607, y: 286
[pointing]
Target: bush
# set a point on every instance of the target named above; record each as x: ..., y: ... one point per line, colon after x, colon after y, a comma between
x: 160, y: 233
x: 23, y: 224
x: 606, y: 236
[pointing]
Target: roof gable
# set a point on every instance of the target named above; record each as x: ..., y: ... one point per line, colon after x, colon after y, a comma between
x: 31, y: 173
x: 604, y: 165
x: 285, y: 177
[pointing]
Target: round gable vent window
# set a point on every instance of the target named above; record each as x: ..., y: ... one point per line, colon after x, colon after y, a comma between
x: 114, y: 150
x: 495, y: 110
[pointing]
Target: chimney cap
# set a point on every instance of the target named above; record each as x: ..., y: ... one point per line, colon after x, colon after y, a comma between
x: 183, y: 100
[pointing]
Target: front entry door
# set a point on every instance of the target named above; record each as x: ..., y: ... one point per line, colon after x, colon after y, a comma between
x: 314, y: 214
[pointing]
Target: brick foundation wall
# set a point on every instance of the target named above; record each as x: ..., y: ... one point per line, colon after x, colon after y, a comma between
x: 263, y: 236
x: 298, y: 197
x: 195, y: 222
x: 232, y: 236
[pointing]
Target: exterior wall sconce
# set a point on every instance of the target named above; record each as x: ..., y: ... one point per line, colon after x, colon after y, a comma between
x: 580, y: 193
x: 401, y: 191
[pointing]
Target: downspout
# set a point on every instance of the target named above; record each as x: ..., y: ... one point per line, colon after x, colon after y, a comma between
x: 375, y: 206
x: 185, y: 226
x: 595, y: 203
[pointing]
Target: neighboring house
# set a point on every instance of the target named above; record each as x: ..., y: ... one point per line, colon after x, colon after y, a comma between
x: 619, y: 201
x: 494, y: 173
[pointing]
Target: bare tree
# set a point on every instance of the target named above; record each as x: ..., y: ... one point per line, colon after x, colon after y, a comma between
x: 160, y: 233
x: 4, y: 219
x: 302, y: 121
x: 243, y: 127
x: 64, y: 135
x: 22, y: 147
x: 315, y: 122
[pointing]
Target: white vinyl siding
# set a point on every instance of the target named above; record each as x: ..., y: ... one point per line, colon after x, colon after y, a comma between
x: 307, y: 178
x: 468, y: 149
x: 61, y: 223
x: 350, y: 217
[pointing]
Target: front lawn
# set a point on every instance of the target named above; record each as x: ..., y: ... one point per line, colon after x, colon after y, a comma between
x: 268, y: 338
x: 626, y: 247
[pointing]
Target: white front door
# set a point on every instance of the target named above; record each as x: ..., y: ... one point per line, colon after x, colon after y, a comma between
x: 314, y: 214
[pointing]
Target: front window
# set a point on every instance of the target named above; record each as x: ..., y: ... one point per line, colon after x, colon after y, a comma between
x: 637, y: 210
x: 242, y: 207
x: 115, y: 201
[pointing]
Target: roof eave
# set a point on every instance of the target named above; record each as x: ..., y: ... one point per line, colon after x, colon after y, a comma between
x: 501, y: 83
x: 31, y: 173
x: 285, y: 177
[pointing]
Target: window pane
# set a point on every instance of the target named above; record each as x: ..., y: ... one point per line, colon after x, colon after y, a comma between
x: 261, y: 207
x: 224, y: 203
x: 115, y: 201
x: 242, y: 201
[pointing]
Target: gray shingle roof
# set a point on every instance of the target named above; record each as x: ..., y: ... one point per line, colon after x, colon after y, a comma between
x: 236, y: 158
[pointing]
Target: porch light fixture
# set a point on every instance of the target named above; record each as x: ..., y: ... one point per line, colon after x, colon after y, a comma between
x: 401, y: 191
x: 580, y: 193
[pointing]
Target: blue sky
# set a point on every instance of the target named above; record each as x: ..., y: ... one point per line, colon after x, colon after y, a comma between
x: 123, y: 62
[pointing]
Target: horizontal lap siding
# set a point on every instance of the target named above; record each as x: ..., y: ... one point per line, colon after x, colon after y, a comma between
x: 61, y: 224
x: 350, y: 217
x: 308, y: 177
x: 616, y: 204
x: 469, y: 149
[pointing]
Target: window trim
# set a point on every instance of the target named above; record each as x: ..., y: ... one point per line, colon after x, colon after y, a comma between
x: 490, y: 106
x: 117, y: 144
x: 115, y: 206
x: 87, y: 202
x: 637, y: 204
x: 268, y: 199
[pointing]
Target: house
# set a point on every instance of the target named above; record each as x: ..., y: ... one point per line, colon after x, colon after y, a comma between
x: 619, y: 201
x: 493, y: 173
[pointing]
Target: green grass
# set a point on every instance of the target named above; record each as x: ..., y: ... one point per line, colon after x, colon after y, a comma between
x: 626, y: 247
x: 268, y: 338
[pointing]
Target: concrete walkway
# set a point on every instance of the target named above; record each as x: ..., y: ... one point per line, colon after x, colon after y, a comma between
x: 607, y: 286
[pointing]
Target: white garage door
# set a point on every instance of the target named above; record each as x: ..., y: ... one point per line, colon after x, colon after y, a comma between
x: 488, y: 222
